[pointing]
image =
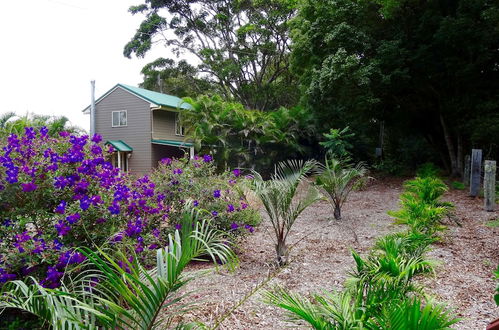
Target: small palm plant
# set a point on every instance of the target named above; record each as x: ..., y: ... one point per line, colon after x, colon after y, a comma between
x: 278, y: 196
x: 337, y: 179
x: 117, y: 292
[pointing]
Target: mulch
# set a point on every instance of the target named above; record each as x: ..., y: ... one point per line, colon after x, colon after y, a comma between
x: 321, y: 260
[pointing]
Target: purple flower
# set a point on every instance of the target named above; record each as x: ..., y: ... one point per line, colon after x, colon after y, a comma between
x: 24, y: 237
x: 44, y: 131
x: 178, y: 226
x: 73, y: 218
x: 207, y: 158
x: 237, y: 172
x: 27, y: 187
x: 230, y: 208
x: 234, y: 226
x: 96, y: 150
x: 153, y: 246
x: 166, y: 161
x: 61, y: 208
x: 100, y: 220
x: 195, y: 203
x: 244, y: 205
x: 177, y: 171
x: 84, y: 203
x: 216, y: 193
x: 156, y: 232
x: 249, y: 228
x: 62, y: 228
x: 96, y: 138
x: 117, y: 238
x: 114, y: 209
x: 63, y: 134
x: 214, y: 213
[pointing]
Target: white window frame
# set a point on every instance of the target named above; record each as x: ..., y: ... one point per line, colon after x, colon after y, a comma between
x: 179, y: 129
x: 119, y: 119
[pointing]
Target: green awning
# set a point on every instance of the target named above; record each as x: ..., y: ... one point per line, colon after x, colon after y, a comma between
x: 119, y: 145
x: 173, y: 143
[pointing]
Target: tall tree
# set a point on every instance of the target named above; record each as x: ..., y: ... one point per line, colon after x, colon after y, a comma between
x: 428, y: 67
x: 243, y: 45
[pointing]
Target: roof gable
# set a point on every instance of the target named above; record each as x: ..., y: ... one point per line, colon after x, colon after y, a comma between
x: 155, y: 98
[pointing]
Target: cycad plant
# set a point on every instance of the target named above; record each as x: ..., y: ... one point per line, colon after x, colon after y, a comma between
x: 279, y: 197
x: 117, y: 292
x: 337, y: 179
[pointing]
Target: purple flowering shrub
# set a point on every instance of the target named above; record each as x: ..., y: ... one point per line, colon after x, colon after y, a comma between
x: 195, y: 181
x: 60, y: 193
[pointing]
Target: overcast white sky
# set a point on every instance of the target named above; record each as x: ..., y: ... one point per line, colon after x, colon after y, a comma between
x: 51, y: 49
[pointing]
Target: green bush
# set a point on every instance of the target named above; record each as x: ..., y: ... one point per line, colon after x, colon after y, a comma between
x: 458, y: 185
x: 222, y: 196
x: 428, y: 170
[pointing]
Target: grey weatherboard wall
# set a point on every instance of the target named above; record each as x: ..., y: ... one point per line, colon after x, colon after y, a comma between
x: 137, y: 133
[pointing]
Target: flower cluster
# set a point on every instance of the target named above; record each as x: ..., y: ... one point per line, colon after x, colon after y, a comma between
x: 56, y: 194
x: 221, y: 195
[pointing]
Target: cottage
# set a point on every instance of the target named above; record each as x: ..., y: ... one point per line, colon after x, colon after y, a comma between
x: 143, y: 126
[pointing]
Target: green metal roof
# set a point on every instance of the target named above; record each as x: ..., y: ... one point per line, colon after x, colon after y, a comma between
x: 173, y: 143
x: 157, y: 98
x: 120, y: 145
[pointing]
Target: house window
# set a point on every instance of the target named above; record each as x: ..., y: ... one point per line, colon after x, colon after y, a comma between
x: 119, y: 118
x: 179, y: 129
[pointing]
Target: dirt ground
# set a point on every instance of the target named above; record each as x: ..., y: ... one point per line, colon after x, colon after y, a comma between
x: 321, y: 261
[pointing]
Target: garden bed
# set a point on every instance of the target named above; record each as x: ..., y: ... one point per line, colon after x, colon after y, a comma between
x: 322, y: 259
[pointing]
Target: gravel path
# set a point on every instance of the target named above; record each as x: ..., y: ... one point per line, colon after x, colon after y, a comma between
x: 321, y: 260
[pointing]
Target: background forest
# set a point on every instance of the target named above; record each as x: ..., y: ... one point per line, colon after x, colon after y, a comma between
x: 415, y: 78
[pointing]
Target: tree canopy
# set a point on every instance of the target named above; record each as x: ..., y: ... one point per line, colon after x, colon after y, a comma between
x: 242, y: 45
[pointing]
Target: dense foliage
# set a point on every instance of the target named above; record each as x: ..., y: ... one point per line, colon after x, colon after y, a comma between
x: 60, y: 193
x: 381, y: 293
x: 246, y: 138
x: 116, y: 291
x: 422, y: 73
x: 243, y: 46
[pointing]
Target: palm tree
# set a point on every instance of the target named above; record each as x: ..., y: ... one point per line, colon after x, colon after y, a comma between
x: 336, y: 180
x: 115, y: 292
x: 278, y: 197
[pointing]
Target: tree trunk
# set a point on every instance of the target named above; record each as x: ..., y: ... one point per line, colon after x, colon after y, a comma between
x: 282, y: 253
x: 450, y: 148
x: 337, y: 213
x: 460, y: 156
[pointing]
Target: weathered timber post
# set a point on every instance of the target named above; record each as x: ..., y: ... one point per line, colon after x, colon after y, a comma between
x: 466, y: 174
x: 476, y: 169
x: 489, y: 185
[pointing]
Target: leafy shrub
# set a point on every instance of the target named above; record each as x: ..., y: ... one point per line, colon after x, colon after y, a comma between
x: 337, y: 142
x: 380, y: 293
x: 60, y: 193
x: 337, y: 179
x: 422, y: 208
x: 428, y: 170
x: 458, y: 185
x: 118, y: 292
x: 223, y: 196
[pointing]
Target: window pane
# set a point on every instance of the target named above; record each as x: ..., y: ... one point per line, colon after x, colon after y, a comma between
x: 122, y: 118
x: 116, y: 121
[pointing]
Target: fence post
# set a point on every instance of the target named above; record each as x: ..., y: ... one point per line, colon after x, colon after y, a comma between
x: 466, y: 174
x: 489, y: 185
x: 476, y: 169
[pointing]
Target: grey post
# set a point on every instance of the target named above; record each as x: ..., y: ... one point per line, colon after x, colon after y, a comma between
x: 467, y: 166
x: 489, y: 185
x: 476, y: 169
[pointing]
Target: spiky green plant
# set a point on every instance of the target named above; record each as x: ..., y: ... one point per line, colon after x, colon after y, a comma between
x: 337, y: 179
x: 279, y: 198
x: 428, y: 190
x: 115, y: 292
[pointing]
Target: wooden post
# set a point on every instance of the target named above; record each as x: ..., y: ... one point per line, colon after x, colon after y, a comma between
x: 476, y: 169
x: 466, y: 174
x: 489, y: 185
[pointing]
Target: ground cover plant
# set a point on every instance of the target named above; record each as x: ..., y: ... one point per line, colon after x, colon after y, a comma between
x: 59, y: 193
x: 380, y: 292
